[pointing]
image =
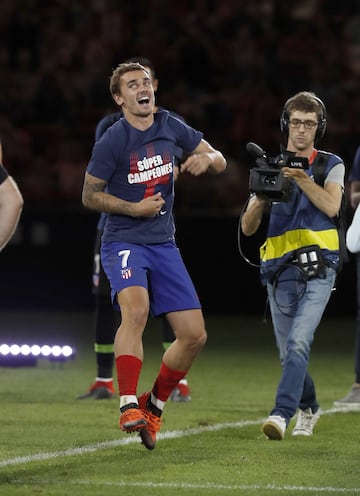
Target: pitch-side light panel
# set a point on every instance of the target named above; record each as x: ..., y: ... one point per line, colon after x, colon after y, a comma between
x: 28, y: 354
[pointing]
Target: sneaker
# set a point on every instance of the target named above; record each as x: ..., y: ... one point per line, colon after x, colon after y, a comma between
x: 305, y: 422
x: 181, y: 393
x: 148, y: 433
x: 351, y: 400
x: 274, y: 427
x: 132, y: 420
x: 100, y: 390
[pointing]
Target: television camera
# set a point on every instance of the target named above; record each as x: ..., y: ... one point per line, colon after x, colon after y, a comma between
x: 267, y: 179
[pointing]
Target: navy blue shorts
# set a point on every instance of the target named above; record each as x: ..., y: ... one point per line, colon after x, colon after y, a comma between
x: 158, y: 267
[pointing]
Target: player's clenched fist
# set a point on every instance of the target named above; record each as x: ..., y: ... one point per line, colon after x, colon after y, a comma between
x: 150, y: 206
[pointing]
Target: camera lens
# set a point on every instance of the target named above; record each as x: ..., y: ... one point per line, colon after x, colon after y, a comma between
x: 271, y: 180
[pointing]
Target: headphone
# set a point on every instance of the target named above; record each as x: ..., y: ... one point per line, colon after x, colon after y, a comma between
x: 284, y: 119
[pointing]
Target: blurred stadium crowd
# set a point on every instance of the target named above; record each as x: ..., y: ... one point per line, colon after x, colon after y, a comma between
x: 227, y: 66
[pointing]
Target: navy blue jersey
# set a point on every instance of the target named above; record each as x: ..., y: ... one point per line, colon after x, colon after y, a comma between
x: 137, y: 164
x: 106, y: 122
x: 109, y: 120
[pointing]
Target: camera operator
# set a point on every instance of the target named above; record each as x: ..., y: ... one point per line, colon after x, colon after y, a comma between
x: 299, y: 259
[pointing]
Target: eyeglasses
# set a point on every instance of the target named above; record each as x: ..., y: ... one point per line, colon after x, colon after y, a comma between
x: 307, y: 124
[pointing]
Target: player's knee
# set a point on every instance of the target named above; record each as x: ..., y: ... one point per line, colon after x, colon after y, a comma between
x: 203, y: 338
x: 197, y: 340
x: 136, y: 317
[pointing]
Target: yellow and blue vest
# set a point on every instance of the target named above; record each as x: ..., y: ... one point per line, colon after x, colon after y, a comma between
x: 296, y: 224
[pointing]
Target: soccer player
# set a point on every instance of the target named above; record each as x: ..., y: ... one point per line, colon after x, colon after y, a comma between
x: 106, y: 318
x: 130, y: 177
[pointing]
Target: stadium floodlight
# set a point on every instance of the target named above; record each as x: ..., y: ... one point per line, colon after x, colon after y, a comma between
x: 26, y: 355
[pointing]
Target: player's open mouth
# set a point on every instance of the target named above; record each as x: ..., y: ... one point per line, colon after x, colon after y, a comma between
x: 144, y: 100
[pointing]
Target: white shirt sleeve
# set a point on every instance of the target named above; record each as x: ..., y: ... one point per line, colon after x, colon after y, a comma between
x: 353, y: 233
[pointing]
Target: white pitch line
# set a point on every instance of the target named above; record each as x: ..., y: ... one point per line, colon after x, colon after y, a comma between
x: 185, y: 485
x: 20, y: 460
x: 121, y: 442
